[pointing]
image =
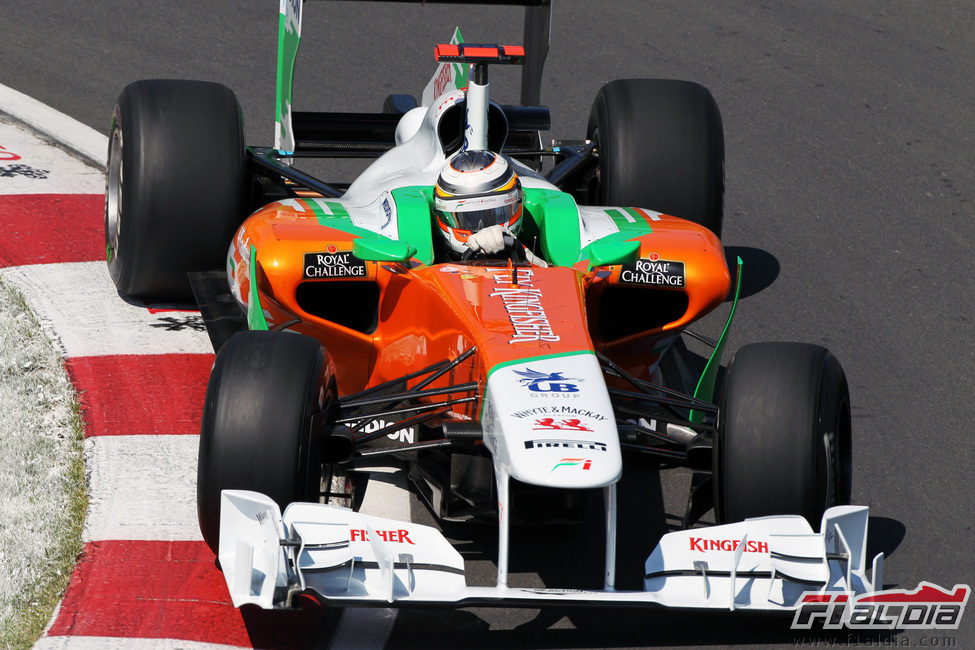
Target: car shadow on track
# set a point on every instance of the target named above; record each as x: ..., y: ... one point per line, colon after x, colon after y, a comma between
x: 759, y: 269
x: 884, y: 535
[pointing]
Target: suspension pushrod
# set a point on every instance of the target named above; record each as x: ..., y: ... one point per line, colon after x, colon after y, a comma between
x: 393, y: 382
x: 459, y: 388
x: 406, y: 409
x: 683, y: 422
x: 463, y: 356
x: 667, y: 401
x: 397, y: 426
x: 417, y: 446
x: 654, y: 451
x: 646, y: 386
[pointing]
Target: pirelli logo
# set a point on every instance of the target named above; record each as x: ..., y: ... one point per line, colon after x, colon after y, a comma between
x: 565, y: 444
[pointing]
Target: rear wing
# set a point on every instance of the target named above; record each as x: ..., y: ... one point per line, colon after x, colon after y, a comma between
x: 368, y: 135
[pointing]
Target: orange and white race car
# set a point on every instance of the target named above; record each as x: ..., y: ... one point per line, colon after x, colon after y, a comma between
x: 505, y: 318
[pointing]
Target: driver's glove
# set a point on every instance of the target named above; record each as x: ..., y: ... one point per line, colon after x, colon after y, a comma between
x: 489, y: 240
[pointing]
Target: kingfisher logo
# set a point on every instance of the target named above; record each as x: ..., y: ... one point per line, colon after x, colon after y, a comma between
x: 703, y: 544
x: 547, y: 382
x: 928, y: 607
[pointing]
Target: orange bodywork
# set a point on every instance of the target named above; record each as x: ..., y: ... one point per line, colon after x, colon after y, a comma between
x: 425, y: 314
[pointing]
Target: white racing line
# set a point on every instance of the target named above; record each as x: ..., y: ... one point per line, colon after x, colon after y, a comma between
x: 141, y: 487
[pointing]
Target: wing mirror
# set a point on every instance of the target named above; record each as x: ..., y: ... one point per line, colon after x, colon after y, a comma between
x: 382, y: 249
x: 609, y: 251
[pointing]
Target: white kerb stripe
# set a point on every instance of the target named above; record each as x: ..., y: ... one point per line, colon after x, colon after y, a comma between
x: 34, y: 167
x: 142, y: 488
x: 113, y: 643
x: 81, y: 306
x: 67, y: 131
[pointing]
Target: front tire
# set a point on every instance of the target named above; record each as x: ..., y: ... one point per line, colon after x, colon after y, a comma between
x: 783, y: 444
x: 175, y: 185
x: 256, y: 432
x: 660, y: 145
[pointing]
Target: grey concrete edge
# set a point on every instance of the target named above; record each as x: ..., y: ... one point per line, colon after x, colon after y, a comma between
x: 79, y: 140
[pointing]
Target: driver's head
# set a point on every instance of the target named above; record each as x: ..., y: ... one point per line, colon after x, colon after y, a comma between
x: 476, y: 189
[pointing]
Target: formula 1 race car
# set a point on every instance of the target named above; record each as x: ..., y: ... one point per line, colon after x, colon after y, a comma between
x: 355, y: 322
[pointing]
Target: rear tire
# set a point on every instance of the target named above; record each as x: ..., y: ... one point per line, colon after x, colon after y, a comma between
x: 256, y: 432
x: 175, y: 185
x: 783, y: 444
x: 660, y: 145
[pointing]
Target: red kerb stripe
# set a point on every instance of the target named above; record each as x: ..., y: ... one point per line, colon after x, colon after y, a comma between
x: 168, y: 590
x: 49, y: 228
x: 141, y: 394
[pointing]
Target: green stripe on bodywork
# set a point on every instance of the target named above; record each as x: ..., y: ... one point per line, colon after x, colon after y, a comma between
x: 638, y: 218
x: 571, y: 463
x: 255, y: 313
x: 542, y: 357
x: 338, y: 219
x: 638, y: 223
x: 460, y: 69
x: 557, y: 217
x: 289, y: 37
x: 618, y: 248
x: 320, y: 214
x: 618, y: 218
x: 338, y: 210
x: 413, y: 215
x: 460, y: 76
x: 705, y: 385
x: 414, y: 220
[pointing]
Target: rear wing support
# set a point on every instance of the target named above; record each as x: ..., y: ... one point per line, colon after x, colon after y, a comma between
x: 538, y: 29
x: 537, y: 32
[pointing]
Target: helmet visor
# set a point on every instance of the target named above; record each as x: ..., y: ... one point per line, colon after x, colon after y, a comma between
x: 475, y: 220
x: 480, y: 212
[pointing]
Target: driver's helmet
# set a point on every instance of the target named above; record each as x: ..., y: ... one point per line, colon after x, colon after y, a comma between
x: 476, y: 189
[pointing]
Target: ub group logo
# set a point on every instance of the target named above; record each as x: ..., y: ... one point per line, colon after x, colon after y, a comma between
x: 547, y: 382
x: 929, y: 607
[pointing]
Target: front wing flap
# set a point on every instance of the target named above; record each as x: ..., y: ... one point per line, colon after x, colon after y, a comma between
x: 345, y: 558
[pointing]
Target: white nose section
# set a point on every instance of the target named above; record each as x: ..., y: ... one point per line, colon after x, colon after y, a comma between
x: 550, y: 422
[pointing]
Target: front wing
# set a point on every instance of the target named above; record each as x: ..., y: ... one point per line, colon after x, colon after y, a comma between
x: 341, y: 557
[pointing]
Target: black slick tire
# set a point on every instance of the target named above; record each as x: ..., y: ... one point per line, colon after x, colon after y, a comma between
x: 660, y: 145
x: 783, y: 444
x: 257, y: 420
x: 175, y: 185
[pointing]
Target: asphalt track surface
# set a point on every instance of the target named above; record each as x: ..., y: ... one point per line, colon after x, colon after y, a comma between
x: 850, y: 150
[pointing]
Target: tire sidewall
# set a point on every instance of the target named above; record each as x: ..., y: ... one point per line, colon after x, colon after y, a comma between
x: 256, y: 428
x: 183, y: 189
x: 660, y: 145
x: 770, y: 457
